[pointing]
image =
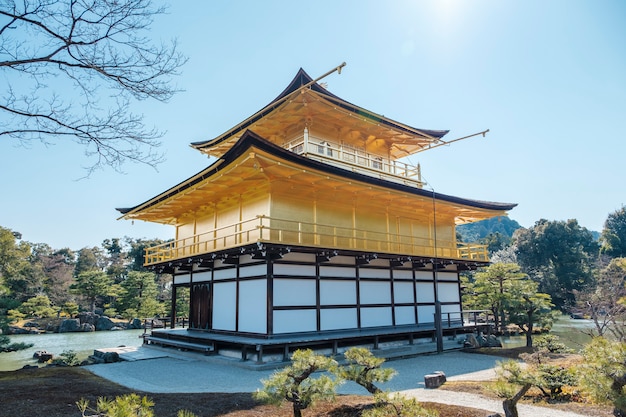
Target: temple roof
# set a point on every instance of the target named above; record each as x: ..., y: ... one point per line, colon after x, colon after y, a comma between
x: 305, y: 103
x: 252, y: 162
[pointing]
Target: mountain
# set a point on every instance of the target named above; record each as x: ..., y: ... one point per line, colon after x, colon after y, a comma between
x: 473, y: 232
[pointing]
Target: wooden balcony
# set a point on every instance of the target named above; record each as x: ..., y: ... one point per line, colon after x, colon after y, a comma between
x: 263, y: 229
x: 355, y: 159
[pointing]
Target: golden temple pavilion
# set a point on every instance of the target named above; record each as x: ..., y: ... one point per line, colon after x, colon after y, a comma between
x: 308, y: 228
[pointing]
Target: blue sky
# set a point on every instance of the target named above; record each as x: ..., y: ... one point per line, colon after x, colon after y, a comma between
x: 548, y: 78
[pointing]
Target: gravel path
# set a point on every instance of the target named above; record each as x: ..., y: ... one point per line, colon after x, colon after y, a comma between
x: 170, y: 373
x: 478, y: 401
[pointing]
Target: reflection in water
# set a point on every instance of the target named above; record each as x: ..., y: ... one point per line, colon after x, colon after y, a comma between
x: 81, y: 343
x: 572, y: 333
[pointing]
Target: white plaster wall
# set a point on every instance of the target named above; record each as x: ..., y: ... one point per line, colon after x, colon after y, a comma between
x: 402, y: 274
x: 181, y: 279
x: 225, y: 273
x: 447, y: 276
x: 338, y: 272
x: 403, y: 292
x: 373, y: 273
x: 405, y: 315
x: 299, y: 257
x: 253, y: 270
x: 376, y: 316
x: 224, y: 302
x: 338, y: 318
x: 294, y: 292
x: 426, y: 314
x: 425, y: 292
x: 448, y: 292
x: 294, y: 270
x: 202, y: 276
x: 291, y: 321
x: 253, y: 306
x: 374, y: 292
x: 337, y: 292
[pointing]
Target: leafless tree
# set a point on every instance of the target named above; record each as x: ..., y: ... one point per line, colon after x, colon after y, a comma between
x: 605, y: 304
x: 72, y: 69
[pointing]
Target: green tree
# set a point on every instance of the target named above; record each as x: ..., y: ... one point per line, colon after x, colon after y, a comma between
x: 89, y: 259
x: 116, y: 263
x: 613, y: 238
x: 560, y: 256
x: 138, y: 296
x: 527, y: 307
x: 294, y: 383
x: 129, y: 405
x: 365, y: 369
x: 490, y: 289
x: 93, y: 285
x: 39, y: 306
x: 137, y: 251
x: 512, y: 384
x: 603, y: 373
x: 95, y: 50
x: 397, y: 405
x: 16, y: 273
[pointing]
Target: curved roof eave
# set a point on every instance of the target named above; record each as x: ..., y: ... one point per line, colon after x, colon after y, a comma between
x: 300, y: 80
x: 250, y: 139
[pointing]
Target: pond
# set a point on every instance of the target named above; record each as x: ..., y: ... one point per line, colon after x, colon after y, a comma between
x: 83, y: 343
x: 571, y: 332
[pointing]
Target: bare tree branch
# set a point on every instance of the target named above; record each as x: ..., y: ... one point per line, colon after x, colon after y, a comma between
x: 74, y: 67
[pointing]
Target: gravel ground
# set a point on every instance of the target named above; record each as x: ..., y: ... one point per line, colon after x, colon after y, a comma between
x: 177, y: 373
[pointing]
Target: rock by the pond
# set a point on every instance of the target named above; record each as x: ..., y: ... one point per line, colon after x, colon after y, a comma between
x: 86, y: 327
x: 104, y: 323
x: 43, y: 356
x: 69, y: 325
x: 135, y: 324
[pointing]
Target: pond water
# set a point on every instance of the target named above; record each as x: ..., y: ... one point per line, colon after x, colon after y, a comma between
x: 571, y: 333
x: 83, y: 343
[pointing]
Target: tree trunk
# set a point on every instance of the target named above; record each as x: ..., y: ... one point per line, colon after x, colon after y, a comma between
x: 510, y: 404
x: 529, y: 333
x: 297, y: 412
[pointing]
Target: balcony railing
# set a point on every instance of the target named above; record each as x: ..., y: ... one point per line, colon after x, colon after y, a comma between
x: 355, y: 159
x: 290, y: 232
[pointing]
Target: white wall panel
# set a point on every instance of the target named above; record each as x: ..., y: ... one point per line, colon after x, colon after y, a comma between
x: 374, y: 273
x: 338, y: 318
x: 405, y: 315
x: 426, y: 314
x: 425, y: 292
x: 293, y: 321
x: 337, y: 292
x: 337, y: 272
x: 202, y: 276
x: 294, y: 270
x: 294, y: 292
x: 181, y: 279
x: 253, y: 306
x: 403, y: 292
x: 374, y: 292
x: 424, y: 275
x: 402, y: 274
x: 448, y: 292
x: 225, y: 273
x: 376, y: 316
x: 253, y: 270
x: 224, y: 304
x: 447, y: 276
